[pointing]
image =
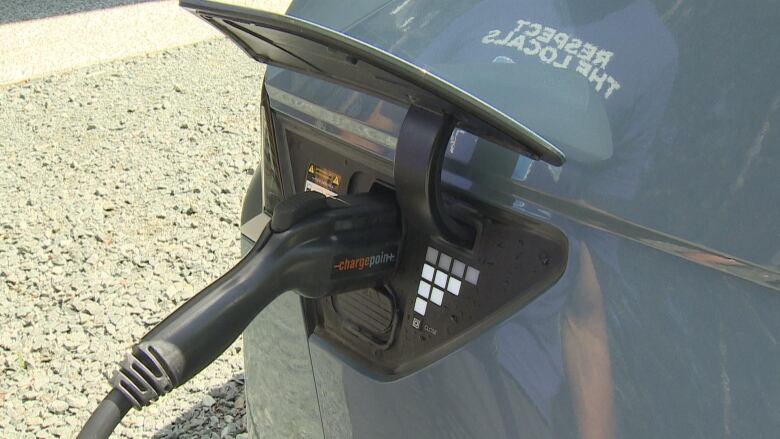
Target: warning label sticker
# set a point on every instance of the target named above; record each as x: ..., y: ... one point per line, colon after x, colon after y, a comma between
x: 322, y: 180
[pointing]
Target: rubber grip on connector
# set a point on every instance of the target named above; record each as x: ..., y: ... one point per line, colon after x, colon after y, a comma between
x: 142, y: 376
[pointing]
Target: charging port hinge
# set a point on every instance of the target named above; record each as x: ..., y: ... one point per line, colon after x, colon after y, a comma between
x: 419, y: 158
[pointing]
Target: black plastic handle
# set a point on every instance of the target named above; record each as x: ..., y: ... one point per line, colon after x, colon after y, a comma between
x: 419, y: 158
x: 320, y: 247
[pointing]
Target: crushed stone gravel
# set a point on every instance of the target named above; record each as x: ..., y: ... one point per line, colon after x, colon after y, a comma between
x: 121, y: 188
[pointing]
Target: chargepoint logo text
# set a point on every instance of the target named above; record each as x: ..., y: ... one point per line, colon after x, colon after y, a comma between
x: 347, y: 264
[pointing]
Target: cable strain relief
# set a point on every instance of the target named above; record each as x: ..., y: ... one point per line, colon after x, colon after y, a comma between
x: 141, y: 377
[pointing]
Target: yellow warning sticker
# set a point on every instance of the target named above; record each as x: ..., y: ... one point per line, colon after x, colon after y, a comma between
x: 322, y: 180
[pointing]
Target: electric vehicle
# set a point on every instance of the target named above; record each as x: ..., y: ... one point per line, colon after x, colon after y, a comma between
x: 665, y: 321
x: 561, y: 221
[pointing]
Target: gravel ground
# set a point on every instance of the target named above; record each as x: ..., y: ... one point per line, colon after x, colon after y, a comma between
x: 20, y: 10
x: 121, y: 187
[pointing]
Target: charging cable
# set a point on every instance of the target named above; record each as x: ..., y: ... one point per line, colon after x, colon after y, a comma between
x: 313, y: 245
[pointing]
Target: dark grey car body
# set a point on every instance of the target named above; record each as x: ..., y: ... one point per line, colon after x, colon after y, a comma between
x: 665, y: 323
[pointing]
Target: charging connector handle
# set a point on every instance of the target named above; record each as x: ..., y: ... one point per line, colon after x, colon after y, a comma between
x: 313, y: 246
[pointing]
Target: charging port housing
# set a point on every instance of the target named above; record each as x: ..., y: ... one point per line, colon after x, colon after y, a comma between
x: 443, y: 293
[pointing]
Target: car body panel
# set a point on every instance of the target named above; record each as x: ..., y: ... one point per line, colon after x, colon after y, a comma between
x: 665, y: 323
x: 281, y: 396
x: 688, y: 117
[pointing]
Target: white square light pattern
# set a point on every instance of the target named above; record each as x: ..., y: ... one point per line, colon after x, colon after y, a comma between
x: 424, y: 290
x: 441, y: 272
x: 420, y: 305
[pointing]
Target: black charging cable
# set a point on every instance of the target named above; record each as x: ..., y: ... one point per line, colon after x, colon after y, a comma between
x: 313, y: 245
x: 106, y: 416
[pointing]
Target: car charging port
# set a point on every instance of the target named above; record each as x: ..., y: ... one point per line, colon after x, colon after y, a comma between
x: 463, y: 264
